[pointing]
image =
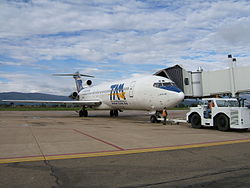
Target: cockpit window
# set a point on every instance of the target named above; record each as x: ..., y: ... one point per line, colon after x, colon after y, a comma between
x: 170, y: 86
x: 162, y: 84
x: 157, y: 85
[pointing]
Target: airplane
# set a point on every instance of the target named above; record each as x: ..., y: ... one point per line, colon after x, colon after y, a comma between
x: 150, y: 93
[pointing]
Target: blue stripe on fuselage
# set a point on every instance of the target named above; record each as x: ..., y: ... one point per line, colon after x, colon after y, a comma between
x: 171, y: 88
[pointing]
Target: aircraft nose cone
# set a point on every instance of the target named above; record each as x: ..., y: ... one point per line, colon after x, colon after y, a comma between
x: 180, y: 96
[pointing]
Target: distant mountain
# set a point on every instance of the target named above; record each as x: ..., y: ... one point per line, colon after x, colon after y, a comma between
x: 31, y: 96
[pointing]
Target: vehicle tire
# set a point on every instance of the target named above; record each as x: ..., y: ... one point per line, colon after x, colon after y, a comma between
x: 195, y: 121
x: 116, y: 113
x: 153, y: 119
x: 222, y: 122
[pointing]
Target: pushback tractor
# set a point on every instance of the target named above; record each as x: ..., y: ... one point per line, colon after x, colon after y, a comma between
x: 224, y: 114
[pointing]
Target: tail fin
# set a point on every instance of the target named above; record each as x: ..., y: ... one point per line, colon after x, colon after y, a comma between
x: 78, y: 81
x: 77, y: 77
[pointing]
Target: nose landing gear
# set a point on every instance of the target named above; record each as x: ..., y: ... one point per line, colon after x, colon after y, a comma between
x: 155, y: 118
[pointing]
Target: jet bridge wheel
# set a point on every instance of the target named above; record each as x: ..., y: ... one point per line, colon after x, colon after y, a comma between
x: 222, y: 122
x: 195, y: 121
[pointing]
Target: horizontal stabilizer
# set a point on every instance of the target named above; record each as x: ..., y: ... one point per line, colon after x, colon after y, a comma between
x: 77, y: 76
x: 74, y: 74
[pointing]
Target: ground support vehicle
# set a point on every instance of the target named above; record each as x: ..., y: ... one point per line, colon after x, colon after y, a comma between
x: 156, y: 117
x: 227, y: 113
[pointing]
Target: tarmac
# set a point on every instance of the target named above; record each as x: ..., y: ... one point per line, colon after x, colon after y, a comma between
x: 60, y: 149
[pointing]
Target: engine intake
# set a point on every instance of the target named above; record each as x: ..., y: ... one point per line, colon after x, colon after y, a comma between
x: 88, y: 82
x: 74, y: 95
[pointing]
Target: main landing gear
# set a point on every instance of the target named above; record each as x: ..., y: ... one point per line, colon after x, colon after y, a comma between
x: 83, y: 113
x: 114, y: 113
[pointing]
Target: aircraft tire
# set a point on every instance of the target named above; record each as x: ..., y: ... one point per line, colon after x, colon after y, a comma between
x: 195, y: 121
x: 81, y: 113
x: 222, y: 122
x: 116, y: 113
x: 158, y: 121
x: 85, y: 113
x: 153, y: 119
x: 111, y: 113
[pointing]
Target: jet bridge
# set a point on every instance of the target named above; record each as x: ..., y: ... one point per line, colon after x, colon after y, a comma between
x: 231, y: 81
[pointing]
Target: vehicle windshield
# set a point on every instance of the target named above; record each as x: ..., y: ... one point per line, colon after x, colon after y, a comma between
x: 227, y: 103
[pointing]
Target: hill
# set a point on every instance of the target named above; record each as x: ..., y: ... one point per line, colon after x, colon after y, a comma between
x: 31, y: 96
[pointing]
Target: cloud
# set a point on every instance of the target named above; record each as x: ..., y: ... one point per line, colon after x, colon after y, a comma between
x: 36, y: 83
x: 236, y: 33
x: 62, y: 36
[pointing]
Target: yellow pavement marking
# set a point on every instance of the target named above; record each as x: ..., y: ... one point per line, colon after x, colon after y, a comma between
x: 21, y: 159
x: 121, y: 152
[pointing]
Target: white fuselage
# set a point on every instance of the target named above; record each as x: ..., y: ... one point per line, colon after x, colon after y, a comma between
x: 134, y: 94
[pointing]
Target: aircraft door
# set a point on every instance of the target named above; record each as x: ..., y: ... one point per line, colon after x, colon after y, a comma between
x: 131, y: 89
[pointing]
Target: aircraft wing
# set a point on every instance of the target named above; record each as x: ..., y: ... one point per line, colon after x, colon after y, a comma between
x: 86, y: 103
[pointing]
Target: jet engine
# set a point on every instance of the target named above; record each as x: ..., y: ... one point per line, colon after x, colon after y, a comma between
x: 88, y: 82
x: 74, y: 95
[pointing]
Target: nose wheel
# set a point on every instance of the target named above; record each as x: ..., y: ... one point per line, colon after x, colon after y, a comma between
x: 155, y: 118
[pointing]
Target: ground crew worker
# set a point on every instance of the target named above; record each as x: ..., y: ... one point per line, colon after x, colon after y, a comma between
x: 164, y: 115
x: 211, y: 105
x: 209, y: 108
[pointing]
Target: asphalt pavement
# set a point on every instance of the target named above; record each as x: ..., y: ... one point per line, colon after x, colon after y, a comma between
x: 218, y: 166
x: 59, y: 149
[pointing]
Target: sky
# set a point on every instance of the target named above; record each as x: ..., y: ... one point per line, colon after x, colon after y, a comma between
x: 116, y: 39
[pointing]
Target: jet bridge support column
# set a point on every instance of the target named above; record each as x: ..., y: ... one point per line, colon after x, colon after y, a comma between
x: 232, y: 63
